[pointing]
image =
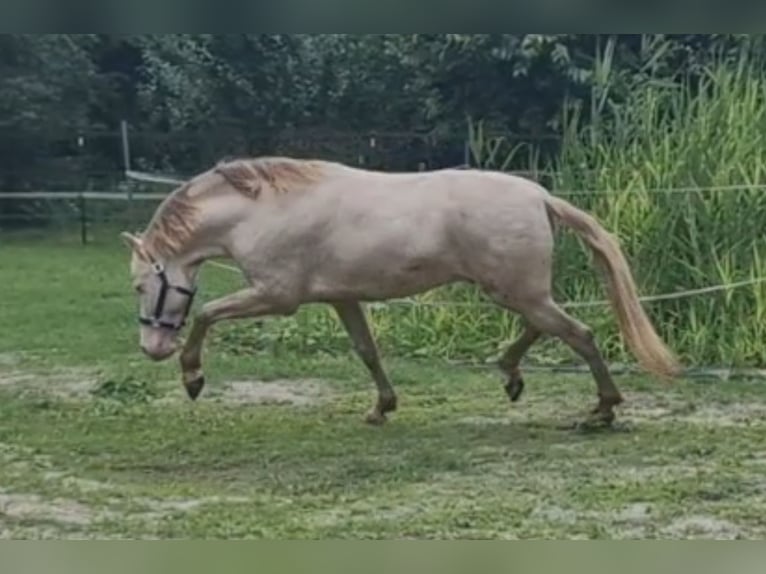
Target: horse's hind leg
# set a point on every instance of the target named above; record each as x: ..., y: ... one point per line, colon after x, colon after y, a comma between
x: 355, y: 323
x: 549, y: 318
x: 511, y: 359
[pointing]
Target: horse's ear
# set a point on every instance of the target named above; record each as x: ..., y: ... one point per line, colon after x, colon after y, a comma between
x: 130, y: 240
x: 135, y: 244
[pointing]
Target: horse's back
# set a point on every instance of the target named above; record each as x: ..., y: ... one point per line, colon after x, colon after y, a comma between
x: 430, y: 228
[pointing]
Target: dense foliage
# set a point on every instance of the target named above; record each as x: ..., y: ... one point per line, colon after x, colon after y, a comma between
x: 191, y: 99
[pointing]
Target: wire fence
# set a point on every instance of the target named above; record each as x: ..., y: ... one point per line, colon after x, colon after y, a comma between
x: 93, y: 207
x: 97, y: 159
x: 94, y: 170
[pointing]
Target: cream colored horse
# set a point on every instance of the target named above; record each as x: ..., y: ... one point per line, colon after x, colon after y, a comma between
x: 313, y: 231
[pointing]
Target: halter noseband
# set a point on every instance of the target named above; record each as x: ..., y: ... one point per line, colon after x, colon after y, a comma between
x: 156, y: 319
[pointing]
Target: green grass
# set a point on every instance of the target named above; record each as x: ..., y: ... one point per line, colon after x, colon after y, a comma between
x: 95, y: 441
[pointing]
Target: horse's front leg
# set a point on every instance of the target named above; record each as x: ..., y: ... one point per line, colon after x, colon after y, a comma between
x: 247, y: 303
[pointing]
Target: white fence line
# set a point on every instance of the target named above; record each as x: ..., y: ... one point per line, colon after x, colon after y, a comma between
x: 151, y: 178
x: 663, y: 190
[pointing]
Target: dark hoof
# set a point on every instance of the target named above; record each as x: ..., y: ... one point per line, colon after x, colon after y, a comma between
x: 599, y: 420
x: 387, y: 404
x: 194, y: 388
x: 514, y: 389
x: 375, y: 418
x: 594, y: 427
x: 585, y: 427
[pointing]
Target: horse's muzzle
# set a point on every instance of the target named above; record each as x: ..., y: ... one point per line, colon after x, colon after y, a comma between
x: 159, y: 353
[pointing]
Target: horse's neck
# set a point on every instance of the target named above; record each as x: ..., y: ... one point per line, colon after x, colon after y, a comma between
x: 219, y: 219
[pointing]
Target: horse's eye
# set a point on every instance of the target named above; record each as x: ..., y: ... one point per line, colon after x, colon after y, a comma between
x: 139, y: 289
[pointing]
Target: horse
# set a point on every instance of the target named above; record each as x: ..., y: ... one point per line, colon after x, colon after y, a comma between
x: 311, y: 231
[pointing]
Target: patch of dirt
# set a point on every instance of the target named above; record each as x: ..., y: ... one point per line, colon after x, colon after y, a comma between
x: 10, y: 359
x: 484, y: 421
x: 78, y: 384
x: 664, y: 408
x: 554, y: 514
x: 660, y: 408
x: 636, y: 513
x: 81, y: 484
x: 295, y: 392
x: 67, y: 518
x: 755, y: 459
x: 62, y: 518
x: 32, y: 506
x: 68, y: 384
x: 162, y: 507
x: 702, y: 526
x: 635, y: 520
x: 737, y: 414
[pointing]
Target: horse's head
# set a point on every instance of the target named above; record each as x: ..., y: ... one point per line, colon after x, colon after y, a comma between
x: 165, y: 291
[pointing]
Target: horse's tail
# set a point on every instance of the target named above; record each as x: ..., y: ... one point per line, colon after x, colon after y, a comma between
x: 642, y: 339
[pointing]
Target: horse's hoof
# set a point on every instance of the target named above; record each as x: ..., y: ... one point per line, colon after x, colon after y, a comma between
x: 598, y: 420
x: 514, y: 389
x: 387, y: 404
x: 589, y: 425
x: 194, y: 387
x: 592, y: 425
x: 375, y: 418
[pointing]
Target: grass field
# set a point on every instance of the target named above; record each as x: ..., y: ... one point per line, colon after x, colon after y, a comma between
x: 95, y: 441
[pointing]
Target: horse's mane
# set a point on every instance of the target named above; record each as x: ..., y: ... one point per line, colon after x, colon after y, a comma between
x: 173, y: 223
x: 251, y: 176
x: 175, y: 220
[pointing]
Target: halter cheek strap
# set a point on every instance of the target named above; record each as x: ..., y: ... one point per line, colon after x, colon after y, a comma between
x: 156, y: 319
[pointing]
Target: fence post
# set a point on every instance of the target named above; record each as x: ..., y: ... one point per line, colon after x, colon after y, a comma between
x: 467, y: 154
x: 126, y: 167
x: 83, y: 219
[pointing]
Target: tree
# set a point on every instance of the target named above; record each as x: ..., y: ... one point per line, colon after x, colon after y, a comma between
x: 45, y: 97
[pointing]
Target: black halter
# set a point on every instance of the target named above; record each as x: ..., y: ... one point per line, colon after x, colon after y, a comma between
x: 156, y: 319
